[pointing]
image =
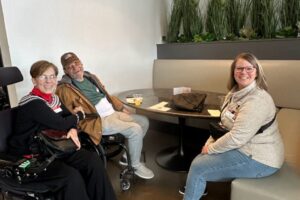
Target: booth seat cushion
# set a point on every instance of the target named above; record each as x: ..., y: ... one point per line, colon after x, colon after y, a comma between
x: 283, y: 185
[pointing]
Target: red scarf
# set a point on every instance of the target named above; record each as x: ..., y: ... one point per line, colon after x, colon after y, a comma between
x: 37, y: 92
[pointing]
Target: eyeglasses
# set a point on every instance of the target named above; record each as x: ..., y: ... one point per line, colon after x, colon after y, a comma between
x: 45, y: 77
x: 247, y: 69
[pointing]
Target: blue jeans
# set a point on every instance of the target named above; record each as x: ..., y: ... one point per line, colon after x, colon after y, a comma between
x: 133, y: 127
x: 220, y: 167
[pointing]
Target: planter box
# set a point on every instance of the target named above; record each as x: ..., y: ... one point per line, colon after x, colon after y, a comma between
x: 273, y: 49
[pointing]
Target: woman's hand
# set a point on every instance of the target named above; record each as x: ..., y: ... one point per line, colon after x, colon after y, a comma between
x: 204, y: 149
x: 72, y: 133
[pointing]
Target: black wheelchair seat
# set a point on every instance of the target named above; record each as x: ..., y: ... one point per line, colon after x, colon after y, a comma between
x: 13, y: 174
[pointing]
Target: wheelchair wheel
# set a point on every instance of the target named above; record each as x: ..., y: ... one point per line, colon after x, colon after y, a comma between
x: 125, y: 184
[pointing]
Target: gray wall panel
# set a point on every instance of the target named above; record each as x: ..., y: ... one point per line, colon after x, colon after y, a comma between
x: 280, y: 49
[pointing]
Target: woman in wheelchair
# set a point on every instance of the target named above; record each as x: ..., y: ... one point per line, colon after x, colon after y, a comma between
x: 80, y: 175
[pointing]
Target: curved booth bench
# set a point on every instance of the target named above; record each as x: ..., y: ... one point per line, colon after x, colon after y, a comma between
x: 284, y: 86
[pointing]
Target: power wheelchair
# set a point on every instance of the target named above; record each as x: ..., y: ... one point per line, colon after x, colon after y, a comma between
x: 12, y: 170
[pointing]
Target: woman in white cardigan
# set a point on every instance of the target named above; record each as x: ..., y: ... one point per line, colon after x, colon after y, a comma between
x: 241, y: 152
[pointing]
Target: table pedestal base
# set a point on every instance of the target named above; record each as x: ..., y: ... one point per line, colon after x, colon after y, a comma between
x: 171, y: 159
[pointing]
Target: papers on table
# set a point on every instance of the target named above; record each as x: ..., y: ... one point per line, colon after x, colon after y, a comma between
x: 130, y: 100
x: 214, y: 113
x: 160, y: 106
x: 134, y: 100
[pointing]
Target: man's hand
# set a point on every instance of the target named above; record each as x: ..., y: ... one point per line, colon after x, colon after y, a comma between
x: 77, y: 109
x: 74, y: 137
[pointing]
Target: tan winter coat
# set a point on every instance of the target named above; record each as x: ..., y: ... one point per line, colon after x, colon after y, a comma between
x: 71, y: 97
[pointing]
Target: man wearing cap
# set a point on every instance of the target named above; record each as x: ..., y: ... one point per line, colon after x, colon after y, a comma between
x: 79, y: 87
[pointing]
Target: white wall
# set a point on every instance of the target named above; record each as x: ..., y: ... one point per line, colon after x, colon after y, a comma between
x: 115, y: 39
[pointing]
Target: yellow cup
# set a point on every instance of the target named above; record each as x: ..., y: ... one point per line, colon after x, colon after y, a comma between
x: 138, y: 101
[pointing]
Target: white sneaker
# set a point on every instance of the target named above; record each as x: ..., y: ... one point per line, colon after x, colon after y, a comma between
x: 143, y: 172
x: 124, y: 162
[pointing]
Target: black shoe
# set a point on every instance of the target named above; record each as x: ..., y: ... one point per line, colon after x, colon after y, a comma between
x: 182, y: 191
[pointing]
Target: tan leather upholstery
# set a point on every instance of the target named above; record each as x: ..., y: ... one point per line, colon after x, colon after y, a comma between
x: 206, y: 75
x: 284, y: 82
x: 284, y: 185
x: 212, y: 75
x: 289, y: 126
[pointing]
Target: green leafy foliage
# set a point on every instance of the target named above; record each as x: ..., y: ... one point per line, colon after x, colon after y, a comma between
x: 264, y: 18
x: 286, y: 32
x: 175, y: 21
x: 290, y: 11
x: 236, y: 12
x: 216, y: 22
x: 233, y: 20
x: 187, y: 14
x: 191, y: 19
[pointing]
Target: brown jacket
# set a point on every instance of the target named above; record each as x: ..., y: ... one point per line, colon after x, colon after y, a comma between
x: 71, y: 97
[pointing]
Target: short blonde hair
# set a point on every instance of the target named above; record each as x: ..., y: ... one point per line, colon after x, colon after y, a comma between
x: 39, y: 67
x: 260, y: 76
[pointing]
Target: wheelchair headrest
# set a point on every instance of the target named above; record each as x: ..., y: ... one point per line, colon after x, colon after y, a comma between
x: 10, y: 75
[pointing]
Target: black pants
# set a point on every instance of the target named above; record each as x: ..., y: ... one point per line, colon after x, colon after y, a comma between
x: 79, y: 176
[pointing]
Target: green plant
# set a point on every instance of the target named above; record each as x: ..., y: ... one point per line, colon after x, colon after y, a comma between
x: 175, y: 21
x: 187, y: 14
x: 232, y: 19
x: 287, y: 31
x: 236, y: 12
x: 191, y: 19
x: 289, y: 16
x: 197, y: 38
x: 290, y: 10
x: 216, y: 21
x: 263, y: 17
x: 247, y: 33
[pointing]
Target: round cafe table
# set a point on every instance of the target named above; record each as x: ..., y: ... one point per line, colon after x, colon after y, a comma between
x: 172, y: 158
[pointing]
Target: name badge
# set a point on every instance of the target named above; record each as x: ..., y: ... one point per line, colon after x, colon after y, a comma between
x: 229, y: 115
x: 57, y: 109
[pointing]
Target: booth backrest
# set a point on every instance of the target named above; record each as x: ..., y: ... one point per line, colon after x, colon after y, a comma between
x: 212, y: 75
x: 289, y: 126
x: 206, y: 75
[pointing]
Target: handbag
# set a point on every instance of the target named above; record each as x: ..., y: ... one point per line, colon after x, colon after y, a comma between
x: 56, y: 142
x: 188, y: 101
